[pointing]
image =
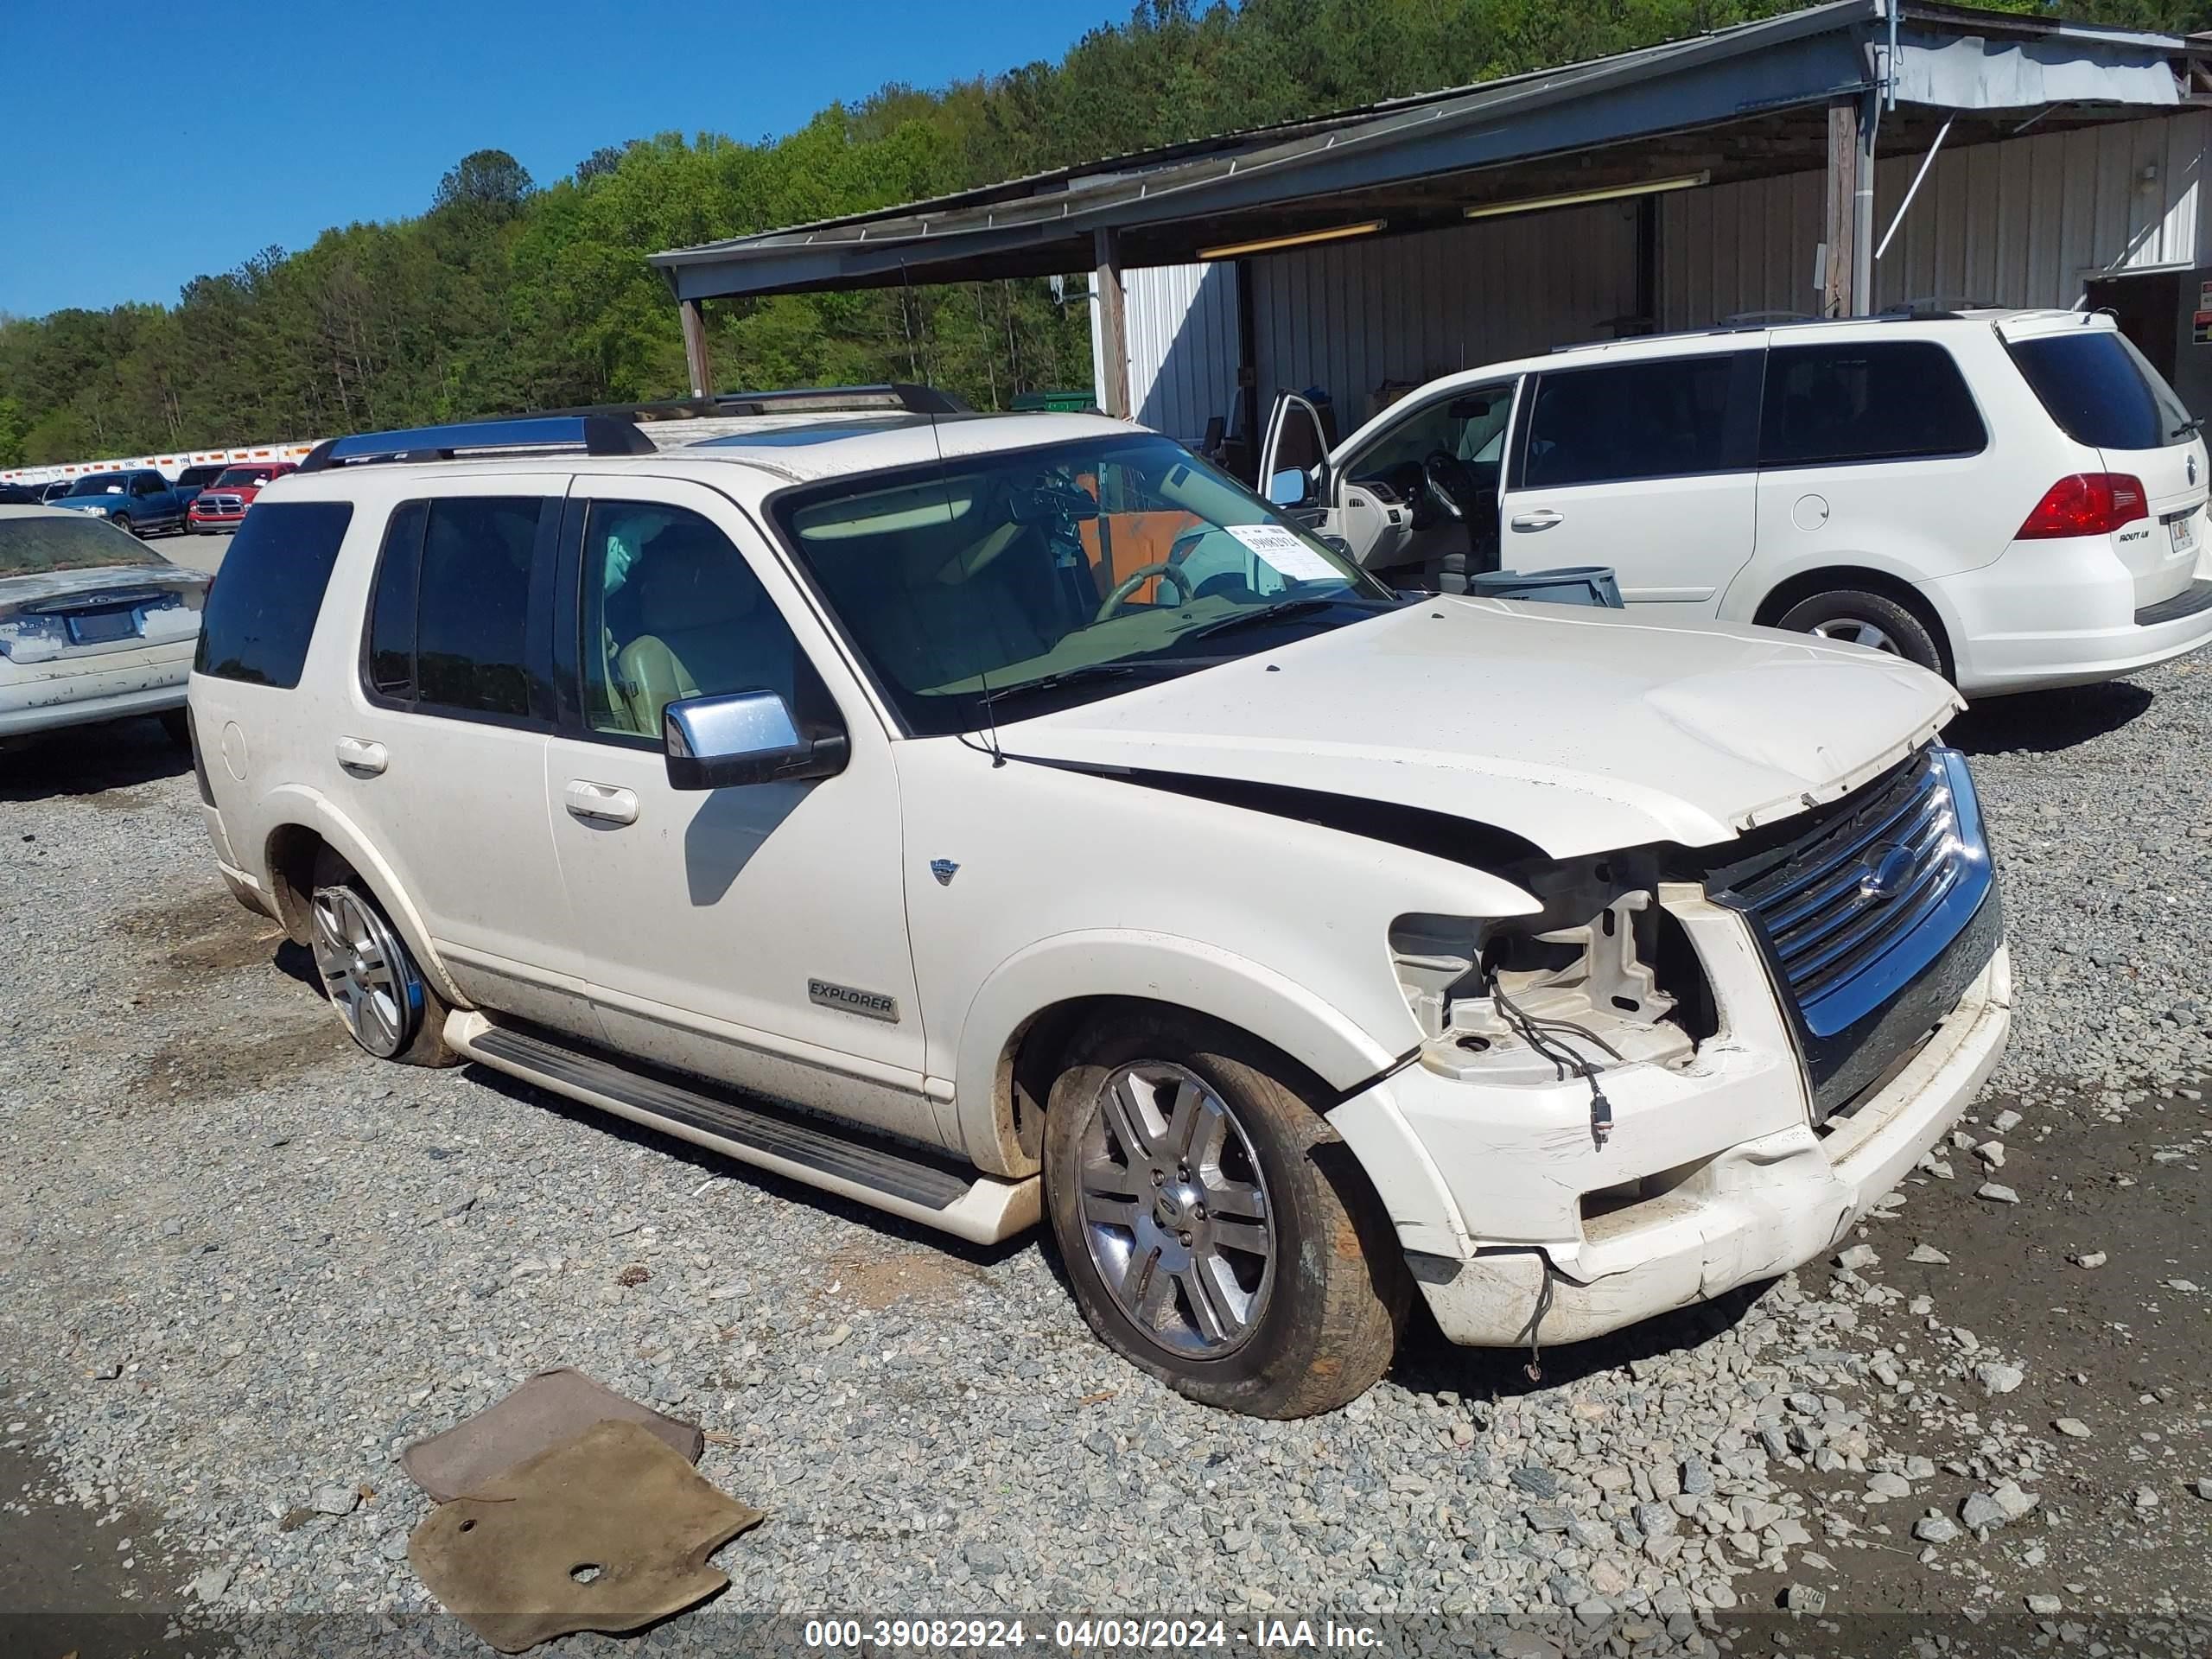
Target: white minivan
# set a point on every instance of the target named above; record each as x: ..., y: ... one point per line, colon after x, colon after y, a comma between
x: 2013, y: 499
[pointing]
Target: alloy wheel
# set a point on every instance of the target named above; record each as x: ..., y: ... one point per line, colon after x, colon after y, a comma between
x: 1175, y: 1211
x: 365, y: 969
x: 1857, y: 631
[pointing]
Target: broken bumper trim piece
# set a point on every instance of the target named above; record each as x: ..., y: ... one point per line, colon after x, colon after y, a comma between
x: 1756, y: 1210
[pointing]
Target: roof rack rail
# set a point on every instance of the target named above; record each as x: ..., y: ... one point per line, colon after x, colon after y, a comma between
x: 595, y: 434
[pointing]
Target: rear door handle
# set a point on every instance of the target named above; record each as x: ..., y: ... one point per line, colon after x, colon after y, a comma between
x: 362, y: 757
x: 1536, y: 519
x: 600, y: 803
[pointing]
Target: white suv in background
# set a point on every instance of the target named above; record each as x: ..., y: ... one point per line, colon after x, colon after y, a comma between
x: 2014, y: 500
x: 987, y: 817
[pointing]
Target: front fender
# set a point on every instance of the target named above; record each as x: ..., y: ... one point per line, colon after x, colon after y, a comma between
x: 1156, y: 968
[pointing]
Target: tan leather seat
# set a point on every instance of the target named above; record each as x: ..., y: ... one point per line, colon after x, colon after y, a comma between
x: 706, y: 628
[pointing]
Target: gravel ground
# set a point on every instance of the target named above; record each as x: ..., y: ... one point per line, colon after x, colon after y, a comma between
x: 241, y: 1265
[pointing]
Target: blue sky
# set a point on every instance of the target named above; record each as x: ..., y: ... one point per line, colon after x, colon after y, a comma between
x: 138, y: 151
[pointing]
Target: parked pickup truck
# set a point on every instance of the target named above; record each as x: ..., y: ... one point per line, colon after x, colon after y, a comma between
x: 222, y: 504
x: 141, y: 501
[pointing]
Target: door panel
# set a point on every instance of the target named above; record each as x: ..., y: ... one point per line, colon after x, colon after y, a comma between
x: 1645, y: 466
x: 725, y: 931
x: 444, y: 770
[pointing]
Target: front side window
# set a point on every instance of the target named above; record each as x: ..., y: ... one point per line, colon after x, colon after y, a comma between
x: 1865, y: 400
x: 1061, y: 573
x: 449, y: 616
x: 671, y: 610
x: 1663, y: 418
x: 261, y: 613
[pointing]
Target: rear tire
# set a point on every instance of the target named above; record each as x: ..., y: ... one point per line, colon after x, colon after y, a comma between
x: 1285, y: 1297
x: 1853, y: 616
x: 375, y: 986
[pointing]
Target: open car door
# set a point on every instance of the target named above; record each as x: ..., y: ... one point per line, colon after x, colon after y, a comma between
x: 1293, y: 457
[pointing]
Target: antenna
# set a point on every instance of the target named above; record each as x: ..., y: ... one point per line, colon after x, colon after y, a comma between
x: 945, y: 479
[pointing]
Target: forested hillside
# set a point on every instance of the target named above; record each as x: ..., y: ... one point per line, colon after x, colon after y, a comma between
x: 509, y: 293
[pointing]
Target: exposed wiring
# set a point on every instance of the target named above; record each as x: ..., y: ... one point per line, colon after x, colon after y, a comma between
x: 1532, y: 1032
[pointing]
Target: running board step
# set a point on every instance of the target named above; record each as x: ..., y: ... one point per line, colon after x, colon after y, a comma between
x: 978, y: 1208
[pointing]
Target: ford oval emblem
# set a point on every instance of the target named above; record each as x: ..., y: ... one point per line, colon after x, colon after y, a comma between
x: 1886, y: 875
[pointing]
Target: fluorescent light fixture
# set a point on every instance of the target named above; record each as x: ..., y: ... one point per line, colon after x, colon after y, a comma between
x: 1335, y: 233
x: 1575, y: 198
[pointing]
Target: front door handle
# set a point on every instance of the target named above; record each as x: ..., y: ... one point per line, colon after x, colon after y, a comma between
x: 1536, y: 519
x: 362, y: 757
x: 601, y: 802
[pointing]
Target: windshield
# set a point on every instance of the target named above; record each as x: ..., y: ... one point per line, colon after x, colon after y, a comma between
x: 66, y: 542
x: 105, y: 484
x: 238, y: 475
x: 1061, y: 573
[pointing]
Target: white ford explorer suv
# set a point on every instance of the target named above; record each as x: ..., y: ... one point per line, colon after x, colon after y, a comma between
x: 2014, y: 500
x: 985, y: 817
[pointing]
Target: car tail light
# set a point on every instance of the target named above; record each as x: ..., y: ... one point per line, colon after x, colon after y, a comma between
x: 2087, y: 504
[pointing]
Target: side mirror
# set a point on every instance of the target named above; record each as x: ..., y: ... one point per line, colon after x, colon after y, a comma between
x: 1292, y: 487
x: 746, y: 737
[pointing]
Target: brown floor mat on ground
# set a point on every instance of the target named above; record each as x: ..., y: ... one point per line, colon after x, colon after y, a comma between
x: 552, y: 1407
x: 608, y: 1531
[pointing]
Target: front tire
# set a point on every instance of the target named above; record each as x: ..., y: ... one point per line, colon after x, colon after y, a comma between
x: 1859, y: 618
x: 122, y: 522
x: 375, y: 986
x: 1218, y: 1233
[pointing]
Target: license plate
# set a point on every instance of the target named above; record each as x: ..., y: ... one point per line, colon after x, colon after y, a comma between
x: 2184, y: 530
x: 99, y: 626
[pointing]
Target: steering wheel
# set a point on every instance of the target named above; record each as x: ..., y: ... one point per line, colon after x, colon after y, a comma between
x: 1138, y: 577
x: 1448, y: 486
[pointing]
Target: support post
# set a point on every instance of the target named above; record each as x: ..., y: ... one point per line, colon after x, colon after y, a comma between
x: 695, y: 348
x: 1838, y: 293
x: 1862, y: 205
x: 1112, y: 322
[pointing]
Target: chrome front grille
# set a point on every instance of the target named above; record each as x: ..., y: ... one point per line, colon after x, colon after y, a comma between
x: 222, y: 504
x: 1854, y: 912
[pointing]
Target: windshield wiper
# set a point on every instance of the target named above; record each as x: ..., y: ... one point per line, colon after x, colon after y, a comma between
x: 2188, y: 428
x: 1275, y: 612
x: 1063, y: 677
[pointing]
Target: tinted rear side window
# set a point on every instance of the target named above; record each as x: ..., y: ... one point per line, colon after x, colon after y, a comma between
x: 2102, y: 391
x: 261, y: 613
x: 449, y: 627
x: 1667, y: 418
x: 1865, y: 400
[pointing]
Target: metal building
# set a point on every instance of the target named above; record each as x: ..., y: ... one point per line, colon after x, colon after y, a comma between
x: 1852, y: 155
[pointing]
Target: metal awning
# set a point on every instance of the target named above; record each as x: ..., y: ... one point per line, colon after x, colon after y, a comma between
x: 1741, y: 102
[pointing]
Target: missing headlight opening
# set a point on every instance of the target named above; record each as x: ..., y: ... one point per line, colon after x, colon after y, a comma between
x: 1512, y: 1006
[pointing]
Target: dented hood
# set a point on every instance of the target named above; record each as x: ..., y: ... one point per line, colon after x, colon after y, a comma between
x: 1581, y: 730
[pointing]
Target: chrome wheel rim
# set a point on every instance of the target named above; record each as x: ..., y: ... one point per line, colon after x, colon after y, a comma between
x: 1176, y: 1216
x: 366, y: 972
x: 1857, y: 631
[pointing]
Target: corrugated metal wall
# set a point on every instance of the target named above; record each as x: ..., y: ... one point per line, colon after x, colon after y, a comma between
x: 2020, y: 222
x: 1350, y: 315
x: 1182, y: 324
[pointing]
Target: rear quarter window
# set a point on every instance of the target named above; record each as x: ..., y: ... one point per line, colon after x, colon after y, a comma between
x: 2101, y: 391
x: 1865, y: 400
x: 261, y: 613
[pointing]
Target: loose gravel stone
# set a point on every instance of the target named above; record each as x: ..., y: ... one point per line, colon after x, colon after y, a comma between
x: 2091, y: 1259
x: 1935, y: 1529
x: 2073, y: 1428
x: 1929, y: 1253
x: 1996, y: 1378
x: 1996, y: 1193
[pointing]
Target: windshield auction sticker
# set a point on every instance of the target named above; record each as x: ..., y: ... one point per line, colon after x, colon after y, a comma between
x: 1278, y: 547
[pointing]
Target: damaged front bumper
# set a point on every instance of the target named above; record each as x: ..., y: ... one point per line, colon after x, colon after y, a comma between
x: 1521, y: 1226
